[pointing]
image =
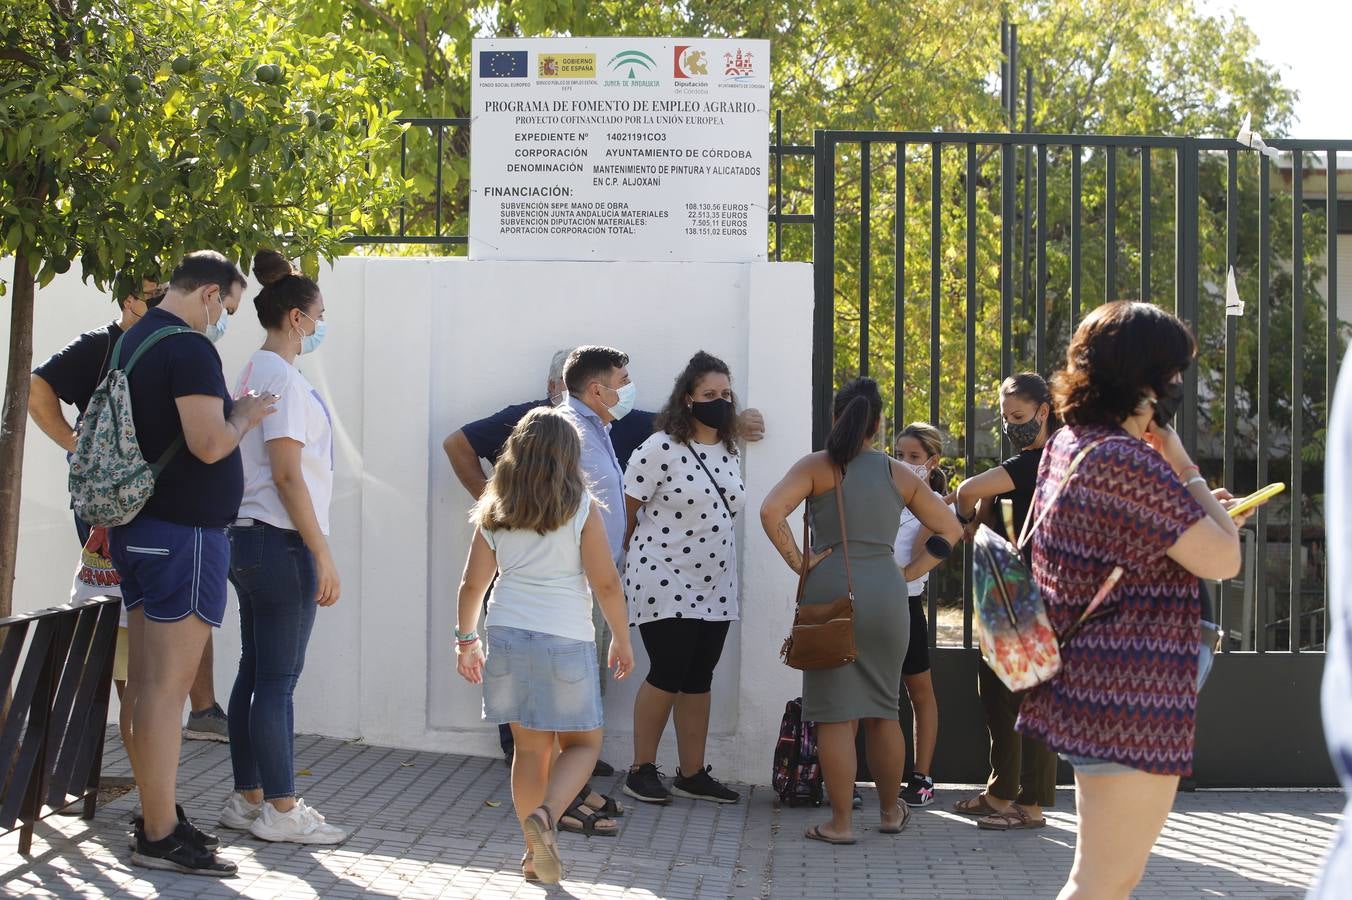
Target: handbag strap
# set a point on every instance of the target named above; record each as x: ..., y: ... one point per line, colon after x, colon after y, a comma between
x: 844, y: 540
x: 717, y: 487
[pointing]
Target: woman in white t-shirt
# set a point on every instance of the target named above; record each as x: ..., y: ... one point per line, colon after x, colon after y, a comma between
x: 683, y: 490
x: 918, y: 448
x: 280, y: 562
x: 542, y: 533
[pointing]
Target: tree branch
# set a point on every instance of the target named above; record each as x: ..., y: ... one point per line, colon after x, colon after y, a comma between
x: 21, y: 56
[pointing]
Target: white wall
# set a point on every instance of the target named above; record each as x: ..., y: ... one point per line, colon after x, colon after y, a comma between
x: 415, y: 349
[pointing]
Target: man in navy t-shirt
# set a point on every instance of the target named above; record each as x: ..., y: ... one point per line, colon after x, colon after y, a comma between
x: 173, y: 556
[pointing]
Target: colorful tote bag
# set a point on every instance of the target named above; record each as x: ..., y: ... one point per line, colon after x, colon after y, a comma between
x: 1016, y: 638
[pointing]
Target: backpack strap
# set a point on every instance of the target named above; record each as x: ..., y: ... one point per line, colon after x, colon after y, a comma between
x: 1030, y: 525
x: 155, y: 337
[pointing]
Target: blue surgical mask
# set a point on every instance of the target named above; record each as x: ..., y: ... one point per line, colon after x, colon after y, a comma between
x: 309, y: 343
x: 625, y: 403
x: 216, y: 330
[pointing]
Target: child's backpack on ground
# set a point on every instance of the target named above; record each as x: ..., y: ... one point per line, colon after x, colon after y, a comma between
x: 797, y: 774
x: 109, y: 478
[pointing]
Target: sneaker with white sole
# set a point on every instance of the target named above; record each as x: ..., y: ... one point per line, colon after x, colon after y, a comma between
x: 239, y: 814
x: 301, y: 824
x: 210, y: 724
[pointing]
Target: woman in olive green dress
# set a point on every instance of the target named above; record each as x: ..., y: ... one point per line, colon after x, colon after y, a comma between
x: 875, y: 487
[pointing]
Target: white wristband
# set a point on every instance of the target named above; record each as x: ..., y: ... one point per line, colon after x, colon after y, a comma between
x: 1196, y: 479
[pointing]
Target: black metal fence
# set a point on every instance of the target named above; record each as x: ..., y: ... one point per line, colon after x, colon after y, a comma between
x: 991, y: 302
x: 56, y: 666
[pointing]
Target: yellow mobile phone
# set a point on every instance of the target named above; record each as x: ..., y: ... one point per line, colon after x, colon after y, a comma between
x: 1257, y: 498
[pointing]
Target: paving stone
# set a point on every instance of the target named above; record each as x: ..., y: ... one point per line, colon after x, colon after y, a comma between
x: 424, y: 829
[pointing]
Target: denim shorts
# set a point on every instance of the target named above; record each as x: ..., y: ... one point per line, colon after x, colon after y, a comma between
x: 171, y: 571
x: 541, y: 681
x: 1087, y: 765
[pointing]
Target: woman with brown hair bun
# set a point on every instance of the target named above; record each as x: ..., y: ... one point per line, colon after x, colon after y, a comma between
x: 280, y: 562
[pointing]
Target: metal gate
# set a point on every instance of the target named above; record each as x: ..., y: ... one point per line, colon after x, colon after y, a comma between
x: 945, y: 262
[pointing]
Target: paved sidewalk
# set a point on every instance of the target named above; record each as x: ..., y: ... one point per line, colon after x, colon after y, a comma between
x: 430, y: 825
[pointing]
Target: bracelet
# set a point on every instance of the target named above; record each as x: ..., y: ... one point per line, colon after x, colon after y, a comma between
x: 464, y: 647
x: 1194, y: 467
x: 472, y: 636
x: 1194, y: 480
x: 965, y: 520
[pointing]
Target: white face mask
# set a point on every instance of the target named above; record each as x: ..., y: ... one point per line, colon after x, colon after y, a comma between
x: 625, y: 404
x: 921, y: 470
x: 215, y: 330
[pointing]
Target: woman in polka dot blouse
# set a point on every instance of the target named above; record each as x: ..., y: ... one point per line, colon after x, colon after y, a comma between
x: 683, y: 491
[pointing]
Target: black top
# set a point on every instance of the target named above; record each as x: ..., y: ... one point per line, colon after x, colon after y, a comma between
x: 1022, y: 470
x: 75, y: 371
x: 488, y: 436
x: 189, y: 491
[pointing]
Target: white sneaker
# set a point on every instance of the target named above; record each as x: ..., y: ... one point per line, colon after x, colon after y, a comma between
x: 239, y: 813
x: 301, y: 825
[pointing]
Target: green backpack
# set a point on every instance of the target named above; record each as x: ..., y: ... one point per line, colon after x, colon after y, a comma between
x: 109, y: 478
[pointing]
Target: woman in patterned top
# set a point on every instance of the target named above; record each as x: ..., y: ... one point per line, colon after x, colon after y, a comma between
x: 1122, y: 708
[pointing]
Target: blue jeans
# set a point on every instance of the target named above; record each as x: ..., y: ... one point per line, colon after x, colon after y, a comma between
x: 274, y: 575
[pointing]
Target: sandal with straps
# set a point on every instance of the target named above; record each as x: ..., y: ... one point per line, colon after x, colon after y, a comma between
x: 539, y: 829
x: 608, y: 806
x: 1012, y: 819
x: 975, y: 806
x: 580, y: 818
x: 905, y: 820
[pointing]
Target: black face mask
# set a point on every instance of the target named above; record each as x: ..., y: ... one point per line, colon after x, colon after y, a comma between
x: 1023, y: 434
x: 1168, y: 403
x: 714, y: 413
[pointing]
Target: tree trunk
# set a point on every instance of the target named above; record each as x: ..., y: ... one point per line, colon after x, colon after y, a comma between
x: 14, y: 422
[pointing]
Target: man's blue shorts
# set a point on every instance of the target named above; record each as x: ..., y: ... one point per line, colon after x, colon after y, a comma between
x: 172, y: 571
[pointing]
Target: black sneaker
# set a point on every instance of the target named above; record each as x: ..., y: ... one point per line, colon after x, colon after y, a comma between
x: 919, y: 791
x: 179, y: 852
x: 703, y: 786
x: 645, y: 784
x: 204, y: 839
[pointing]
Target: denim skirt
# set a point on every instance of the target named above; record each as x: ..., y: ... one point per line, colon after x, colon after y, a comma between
x: 541, y: 681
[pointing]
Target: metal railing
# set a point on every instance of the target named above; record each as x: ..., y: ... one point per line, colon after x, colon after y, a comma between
x: 864, y: 287
x: 56, y: 666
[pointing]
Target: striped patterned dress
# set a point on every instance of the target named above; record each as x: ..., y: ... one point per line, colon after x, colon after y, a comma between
x: 1127, y: 691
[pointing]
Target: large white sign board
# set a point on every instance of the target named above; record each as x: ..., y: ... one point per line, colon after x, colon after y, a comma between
x: 619, y: 149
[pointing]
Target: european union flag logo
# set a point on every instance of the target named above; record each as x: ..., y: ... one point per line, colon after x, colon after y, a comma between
x: 502, y: 64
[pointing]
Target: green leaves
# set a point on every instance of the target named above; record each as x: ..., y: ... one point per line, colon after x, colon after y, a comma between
x: 155, y: 151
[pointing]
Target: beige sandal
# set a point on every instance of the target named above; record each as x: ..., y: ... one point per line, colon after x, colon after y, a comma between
x: 539, y: 829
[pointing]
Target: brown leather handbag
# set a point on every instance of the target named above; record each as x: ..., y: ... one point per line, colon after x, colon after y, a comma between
x: 823, y: 633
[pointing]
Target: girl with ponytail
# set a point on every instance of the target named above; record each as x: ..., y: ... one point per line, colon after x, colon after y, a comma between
x: 853, y: 483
